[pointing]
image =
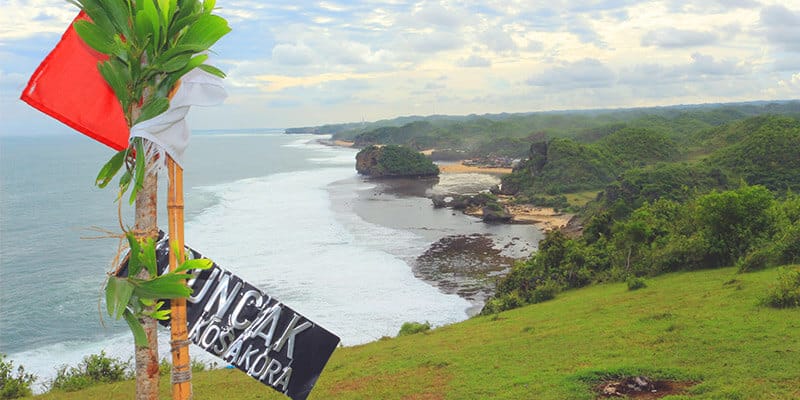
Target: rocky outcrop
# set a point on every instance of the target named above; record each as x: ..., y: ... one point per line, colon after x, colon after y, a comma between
x: 394, y: 161
x: 496, y: 213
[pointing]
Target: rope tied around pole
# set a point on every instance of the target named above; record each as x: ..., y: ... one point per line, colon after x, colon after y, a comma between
x: 181, y: 376
x: 178, y: 344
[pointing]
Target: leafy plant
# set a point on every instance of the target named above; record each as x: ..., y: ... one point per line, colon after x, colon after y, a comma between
x: 786, y: 292
x: 150, y: 45
x: 635, y: 283
x: 410, y: 328
x: 129, y: 297
x: 12, y: 387
x: 94, y: 369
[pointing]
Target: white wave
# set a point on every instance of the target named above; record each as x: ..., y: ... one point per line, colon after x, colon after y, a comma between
x: 281, y: 234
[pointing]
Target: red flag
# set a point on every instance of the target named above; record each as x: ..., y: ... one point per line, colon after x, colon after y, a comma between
x: 68, y: 87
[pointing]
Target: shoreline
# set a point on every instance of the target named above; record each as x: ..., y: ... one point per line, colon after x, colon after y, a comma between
x: 544, y: 218
x: 459, y: 168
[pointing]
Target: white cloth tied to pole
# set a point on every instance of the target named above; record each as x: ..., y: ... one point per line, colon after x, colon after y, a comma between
x: 169, y: 131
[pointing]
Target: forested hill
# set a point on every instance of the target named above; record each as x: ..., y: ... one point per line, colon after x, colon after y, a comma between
x: 475, y: 134
x: 717, y: 197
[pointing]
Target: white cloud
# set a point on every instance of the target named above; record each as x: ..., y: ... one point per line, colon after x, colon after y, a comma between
x: 671, y: 37
x: 782, y: 26
x: 24, y: 19
x: 335, y: 60
x: 586, y: 73
x: 291, y: 54
x: 475, y: 61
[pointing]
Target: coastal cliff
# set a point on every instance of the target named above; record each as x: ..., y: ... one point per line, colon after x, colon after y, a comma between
x: 394, y: 161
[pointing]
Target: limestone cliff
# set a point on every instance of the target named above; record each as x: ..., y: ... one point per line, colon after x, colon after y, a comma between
x: 394, y: 161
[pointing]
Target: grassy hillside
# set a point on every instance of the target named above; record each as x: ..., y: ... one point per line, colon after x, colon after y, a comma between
x: 705, y: 327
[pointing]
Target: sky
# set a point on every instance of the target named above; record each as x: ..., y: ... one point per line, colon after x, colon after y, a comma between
x: 304, y: 63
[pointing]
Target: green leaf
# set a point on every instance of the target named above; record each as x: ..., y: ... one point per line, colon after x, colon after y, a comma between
x: 134, y: 265
x: 117, y: 76
x: 122, y: 49
x: 111, y: 294
x: 94, y: 9
x: 124, y: 182
x: 205, y: 31
x: 155, y: 106
x: 148, y: 257
x: 164, y: 287
x: 117, y: 10
x: 196, y: 264
x: 176, y: 63
x: 95, y: 37
x: 208, y: 5
x: 140, y: 169
x: 213, y: 70
x: 161, y: 315
x: 176, y: 51
x: 147, y: 302
x: 195, y: 62
x: 139, y: 337
x: 182, y: 22
x: 173, y: 247
x: 154, y: 18
x: 118, y: 294
x: 110, y: 168
x: 142, y: 27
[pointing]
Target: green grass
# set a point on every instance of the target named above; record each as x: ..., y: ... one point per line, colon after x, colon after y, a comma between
x: 705, y: 327
x: 581, y: 198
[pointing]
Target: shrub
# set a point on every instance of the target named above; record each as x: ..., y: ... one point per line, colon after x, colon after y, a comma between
x: 757, y: 260
x: 410, y: 328
x: 94, y: 369
x: 786, y: 292
x: 636, y: 283
x: 502, y: 302
x: 788, y: 244
x: 12, y: 387
x: 547, y: 290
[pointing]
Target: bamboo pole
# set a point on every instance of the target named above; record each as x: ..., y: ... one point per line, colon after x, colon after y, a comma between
x: 181, y: 366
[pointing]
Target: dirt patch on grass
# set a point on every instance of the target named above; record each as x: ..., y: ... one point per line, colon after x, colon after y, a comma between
x: 641, y: 387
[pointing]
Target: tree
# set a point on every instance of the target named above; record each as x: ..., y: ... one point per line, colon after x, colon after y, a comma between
x: 734, y: 221
x: 150, y: 45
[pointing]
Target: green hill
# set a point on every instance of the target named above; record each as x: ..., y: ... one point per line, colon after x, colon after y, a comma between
x: 704, y: 328
x: 769, y: 155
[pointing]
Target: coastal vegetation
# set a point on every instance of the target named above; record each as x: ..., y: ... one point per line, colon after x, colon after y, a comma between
x: 685, y: 268
x: 736, y: 205
x: 676, y: 188
x: 704, y: 331
x: 393, y: 161
x: 14, y: 384
x: 511, y: 134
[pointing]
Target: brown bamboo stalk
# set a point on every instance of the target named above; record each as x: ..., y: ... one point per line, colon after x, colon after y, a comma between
x: 181, y: 366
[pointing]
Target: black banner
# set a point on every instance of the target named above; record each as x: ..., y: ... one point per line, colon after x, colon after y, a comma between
x: 253, y: 331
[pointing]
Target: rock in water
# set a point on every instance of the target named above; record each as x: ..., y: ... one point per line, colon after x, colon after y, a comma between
x: 394, y: 161
x: 496, y: 213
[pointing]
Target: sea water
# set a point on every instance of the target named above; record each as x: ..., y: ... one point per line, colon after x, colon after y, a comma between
x: 277, y: 210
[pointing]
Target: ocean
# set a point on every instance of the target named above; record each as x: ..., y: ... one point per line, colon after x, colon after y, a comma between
x: 284, y: 212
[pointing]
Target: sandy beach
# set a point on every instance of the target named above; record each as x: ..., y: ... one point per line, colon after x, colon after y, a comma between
x: 460, y: 168
x: 545, y: 218
x: 343, y: 143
